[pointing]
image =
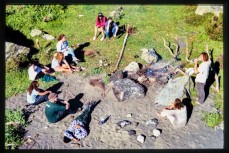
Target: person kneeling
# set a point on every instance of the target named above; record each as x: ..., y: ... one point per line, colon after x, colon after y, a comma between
x: 176, y: 113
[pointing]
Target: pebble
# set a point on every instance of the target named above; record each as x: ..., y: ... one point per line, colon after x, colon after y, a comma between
x: 141, y: 138
x: 129, y: 115
x: 156, y: 132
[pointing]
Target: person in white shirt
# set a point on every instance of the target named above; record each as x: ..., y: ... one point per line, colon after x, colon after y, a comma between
x: 176, y: 113
x: 202, y: 72
x: 62, y: 46
x: 36, y: 95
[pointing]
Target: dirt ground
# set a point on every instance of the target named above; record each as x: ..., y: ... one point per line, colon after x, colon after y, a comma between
x: 43, y: 135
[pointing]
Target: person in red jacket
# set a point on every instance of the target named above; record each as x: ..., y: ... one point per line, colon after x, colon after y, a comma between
x: 100, y: 25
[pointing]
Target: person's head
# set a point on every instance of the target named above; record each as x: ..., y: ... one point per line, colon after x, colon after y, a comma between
x: 62, y: 37
x: 52, y: 97
x: 66, y: 139
x: 33, y: 85
x: 109, y: 19
x: 100, y: 15
x: 203, y: 57
x: 178, y: 104
x: 59, y: 56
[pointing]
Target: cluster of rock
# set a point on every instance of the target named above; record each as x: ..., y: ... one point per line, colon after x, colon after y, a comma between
x: 13, y: 51
x: 37, y: 32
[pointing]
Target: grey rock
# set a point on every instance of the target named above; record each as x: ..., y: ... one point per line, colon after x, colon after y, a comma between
x: 35, y: 32
x: 133, y: 66
x: 13, y: 50
x: 117, y: 75
x: 123, y: 123
x: 131, y: 132
x: 215, y: 9
x: 152, y: 122
x: 48, y: 37
x: 176, y: 87
x: 127, y: 89
x: 141, y: 138
x: 149, y: 55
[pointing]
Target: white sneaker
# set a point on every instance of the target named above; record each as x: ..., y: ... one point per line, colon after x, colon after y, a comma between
x: 94, y: 38
x: 75, y: 59
x: 102, y: 39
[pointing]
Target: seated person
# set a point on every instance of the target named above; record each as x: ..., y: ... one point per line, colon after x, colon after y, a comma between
x: 176, y: 113
x: 37, y: 70
x: 111, y: 28
x: 35, y: 95
x: 59, y: 64
x: 76, y: 131
x: 55, y: 110
x: 62, y: 46
x: 99, y: 25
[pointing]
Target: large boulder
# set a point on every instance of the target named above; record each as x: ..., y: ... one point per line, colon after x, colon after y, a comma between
x: 149, y: 55
x: 133, y: 67
x: 14, y: 50
x: 127, y: 89
x: 35, y: 32
x: 174, y: 89
x: 116, y: 76
x: 215, y: 9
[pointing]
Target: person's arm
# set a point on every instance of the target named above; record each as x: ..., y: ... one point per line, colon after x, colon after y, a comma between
x: 107, y: 25
x: 97, y: 22
x: 65, y: 62
x: 44, y: 93
x: 116, y: 29
x: 196, y: 66
x: 104, y: 21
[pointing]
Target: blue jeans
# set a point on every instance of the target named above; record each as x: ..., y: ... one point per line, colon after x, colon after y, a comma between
x: 84, y: 116
x: 71, y: 52
x: 109, y: 32
x: 40, y: 99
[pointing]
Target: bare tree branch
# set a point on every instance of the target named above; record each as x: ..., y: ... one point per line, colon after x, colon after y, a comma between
x: 170, y: 51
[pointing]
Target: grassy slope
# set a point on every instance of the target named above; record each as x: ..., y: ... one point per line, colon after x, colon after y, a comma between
x: 151, y: 21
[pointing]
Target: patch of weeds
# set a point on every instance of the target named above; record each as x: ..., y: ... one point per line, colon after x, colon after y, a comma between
x: 96, y: 70
x: 14, y: 128
x: 212, y: 119
x: 106, y: 79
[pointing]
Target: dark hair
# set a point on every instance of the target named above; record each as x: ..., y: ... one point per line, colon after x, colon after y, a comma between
x: 60, y: 37
x: 100, y: 14
x: 33, y: 85
x: 178, y: 104
x: 110, y: 18
x: 205, y: 56
x: 66, y: 139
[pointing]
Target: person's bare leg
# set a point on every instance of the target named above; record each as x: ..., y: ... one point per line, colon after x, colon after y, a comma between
x: 96, y: 29
x: 103, y: 34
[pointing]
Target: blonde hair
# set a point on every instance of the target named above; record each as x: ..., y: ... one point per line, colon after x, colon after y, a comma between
x: 59, y: 56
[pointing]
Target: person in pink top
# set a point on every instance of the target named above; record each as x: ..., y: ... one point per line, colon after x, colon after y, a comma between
x: 100, y: 25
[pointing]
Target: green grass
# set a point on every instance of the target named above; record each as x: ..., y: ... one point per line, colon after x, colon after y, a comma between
x: 14, y: 132
x: 212, y: 119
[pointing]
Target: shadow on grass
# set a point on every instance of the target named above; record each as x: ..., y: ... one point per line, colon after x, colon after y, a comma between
x: 79, y: 51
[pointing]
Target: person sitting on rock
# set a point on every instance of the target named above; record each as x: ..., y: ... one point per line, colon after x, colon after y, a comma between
x: 36, y: 95
x: 111, y: 28
x: 37, y: 70
x: 59, y: 64
x: 176, y: 113
x: 77, y: 131
x: 62, y: 46
x: 55, y: 110
x: 99, y: 25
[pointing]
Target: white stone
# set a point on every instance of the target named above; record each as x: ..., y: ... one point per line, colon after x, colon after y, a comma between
x: 215, y: 9
x: 35, y: 32
x: 133, y: 66
x: 141, y: 138
x: 156, y: 132
x: 48, y: 37
x: 129, y: 115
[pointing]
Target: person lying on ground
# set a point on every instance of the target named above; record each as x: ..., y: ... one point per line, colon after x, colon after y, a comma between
x: 37, y: 70
x: 76, y: 131
x: 36, y: 95
x: 56, y: 109
x: 100, y: 25
x: 62, y: 46
x: 59, y: 64
x: 111, y: 28
x: 176, y: 113
x: 202, y: 72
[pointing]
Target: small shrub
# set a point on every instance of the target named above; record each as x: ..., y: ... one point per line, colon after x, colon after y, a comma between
x: 197, y: 20
x: 14, y: 128
x: 96, y: 70
x: 212, y: 119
